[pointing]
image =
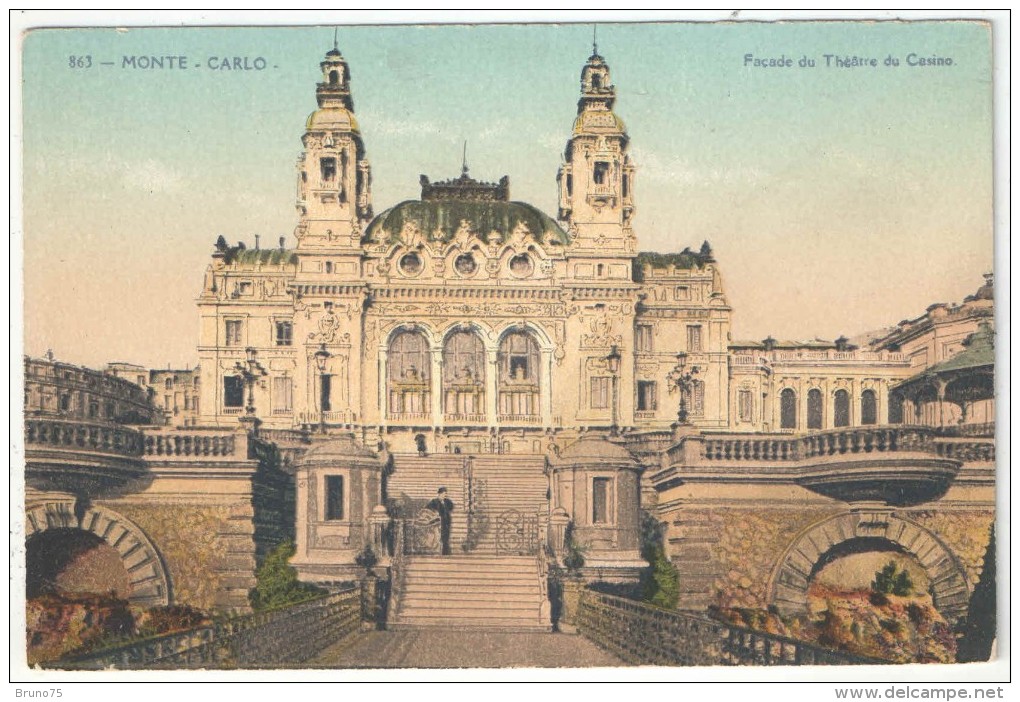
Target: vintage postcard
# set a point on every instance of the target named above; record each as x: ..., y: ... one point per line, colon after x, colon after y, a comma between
x: 546, y: 345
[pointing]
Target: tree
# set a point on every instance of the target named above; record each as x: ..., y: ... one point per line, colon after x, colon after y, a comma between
x: 892, y: 580
x: 277, y: 582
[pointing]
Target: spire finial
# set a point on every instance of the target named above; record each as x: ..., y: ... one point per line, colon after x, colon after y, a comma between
x: 334, y: 39
x: 464, y: 166
x: 594, y: 39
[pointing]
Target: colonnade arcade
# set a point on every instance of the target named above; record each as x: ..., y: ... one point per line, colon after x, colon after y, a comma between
x: 466, y: 376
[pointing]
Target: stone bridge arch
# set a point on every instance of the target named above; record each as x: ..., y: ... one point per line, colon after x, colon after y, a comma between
x: 791, y: 578
x: 146, y: 571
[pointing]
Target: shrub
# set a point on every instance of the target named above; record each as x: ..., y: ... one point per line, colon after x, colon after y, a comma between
x: 660, y: 583
x: 367, y: 558
x: 161, y: 620
x: 574, y: 559
x: 277, y: 582
x: 892, y: 581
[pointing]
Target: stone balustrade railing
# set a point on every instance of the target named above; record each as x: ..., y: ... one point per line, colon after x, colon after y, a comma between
x: 794, y: 355
x: 189, y: 445
x: 641, y: 634
x: 279, y: 637
x: 78, y: 435
x: 966, y: 450
x: 765, y: 448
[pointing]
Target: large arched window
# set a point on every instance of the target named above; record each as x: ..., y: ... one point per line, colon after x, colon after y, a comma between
x: 869, y: 407
x: 841, y: 409
x: 464, y: 377
x: 408, y: 376
x: 519, y: 375
x: 814, y: 409
x: 787, y: 409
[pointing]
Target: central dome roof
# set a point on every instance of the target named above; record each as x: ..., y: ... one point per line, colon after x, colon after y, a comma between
x: 439, y: 220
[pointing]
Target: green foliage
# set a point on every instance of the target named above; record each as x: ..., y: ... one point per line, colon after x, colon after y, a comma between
x: 443, y: 217
x: 892, y: 581
x: 574, y: 559
x: 660, y: 583
x: 277, y: 581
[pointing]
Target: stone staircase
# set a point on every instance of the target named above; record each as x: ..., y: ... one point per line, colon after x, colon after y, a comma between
x: 498, y: 483
x: 501, y: 593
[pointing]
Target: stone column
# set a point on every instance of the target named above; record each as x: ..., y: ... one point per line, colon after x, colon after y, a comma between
x: 436, y: 383
x: 384, y: 394
x: 545, y: 389
x: 491, y: 387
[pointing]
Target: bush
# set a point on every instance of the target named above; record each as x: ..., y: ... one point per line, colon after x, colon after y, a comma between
x: 892, y: 581
x: 161, y: 620
x: 574, y: 559
x: 660, y: 583
x: 278, y: 583
x: 367, y: 558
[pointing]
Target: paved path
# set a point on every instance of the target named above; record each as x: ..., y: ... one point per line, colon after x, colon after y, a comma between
x: 444, y: 648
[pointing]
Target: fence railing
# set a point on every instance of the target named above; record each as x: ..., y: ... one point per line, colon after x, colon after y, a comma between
x: 278, y: 637
x: 641, y: 634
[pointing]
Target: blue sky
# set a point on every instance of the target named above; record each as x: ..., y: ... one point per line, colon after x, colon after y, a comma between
x: 837, y: 200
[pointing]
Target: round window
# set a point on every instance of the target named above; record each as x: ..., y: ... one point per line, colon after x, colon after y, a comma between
x: 410, y: 264
x: 521, y: 265
x: 465, y: 264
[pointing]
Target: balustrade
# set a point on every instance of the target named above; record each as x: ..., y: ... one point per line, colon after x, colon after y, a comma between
x: 750, y: 447
x: 83, y: 436
x: 169, y: 445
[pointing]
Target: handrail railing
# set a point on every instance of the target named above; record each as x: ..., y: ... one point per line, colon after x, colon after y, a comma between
x: 284, y: 635
x: 643, y: 634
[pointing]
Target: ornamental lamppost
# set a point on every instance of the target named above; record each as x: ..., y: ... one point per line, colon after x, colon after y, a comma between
x: 250, y: 371
x: 682, y: 380
x: 321, y: 356
x: 613, y: 364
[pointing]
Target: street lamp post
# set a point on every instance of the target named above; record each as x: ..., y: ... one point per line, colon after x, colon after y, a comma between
x: 250, y: 371
x: 681, y: 380
x: 321, y: 356
x: 613, y: 363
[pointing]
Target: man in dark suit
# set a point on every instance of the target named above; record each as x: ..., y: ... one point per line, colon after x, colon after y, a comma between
x: 443, y: 506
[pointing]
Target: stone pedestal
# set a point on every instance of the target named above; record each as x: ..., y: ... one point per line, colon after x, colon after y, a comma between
x: 570, y: 609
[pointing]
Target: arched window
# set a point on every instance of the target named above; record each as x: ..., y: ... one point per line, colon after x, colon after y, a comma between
x: 519, y: 378
x: 169, y: 384
x: 334, y: 78
x: 841, y: 409
x: 869, y: 407
x: 464, y: 377
x: 814, y: 409
x: 408, y: 376
x: 787, y: 409
x: 895, y: 409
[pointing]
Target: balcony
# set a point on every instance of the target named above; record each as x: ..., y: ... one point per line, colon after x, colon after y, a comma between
x: 896, y: 465
x: 81, y: 457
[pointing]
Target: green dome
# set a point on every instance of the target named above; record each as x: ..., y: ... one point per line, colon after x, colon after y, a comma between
x: 439, y: 220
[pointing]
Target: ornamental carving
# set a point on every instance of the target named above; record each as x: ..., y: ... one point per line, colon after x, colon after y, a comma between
x: 329, y: 329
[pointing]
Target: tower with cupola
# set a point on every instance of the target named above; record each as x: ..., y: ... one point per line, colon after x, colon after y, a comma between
x: 334, y: 178
x: 596, y: 180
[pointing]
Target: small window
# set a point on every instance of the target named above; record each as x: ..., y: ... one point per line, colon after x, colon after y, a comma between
x: 194, y: 383
x: 93, y: 409
x: 141, y: 380
x: 465, y: 264
x: 869, y: 407
x: 334, y: 497
x: 328, y: 168
x: 626, y: 186
x: 410, y: 264
x: 697, y: 396
x: 841, y: 409
x: 65, y: 403
x: 110, y: 410
x: 600, y: 270
x: 329, y: 266
x: 325, y: 387
x: 745, y: 405
x: 233, y: 391
x: 814, y: 409
x: 599, y: 393
x: 682, y: 292
x: 245, y: 287
x: 895, y: 409
x: 570, y: 185
x: 644, y: 338
x: 787, y: 409
x: 521, y: 265
x: 694, y: 338
x: 169, y: 384
x: 284, y: 333
x: 601, y: 493
x: 646, y: 400
x: 601, y: 172
x: 283, y: 390
x: 233, y: 332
